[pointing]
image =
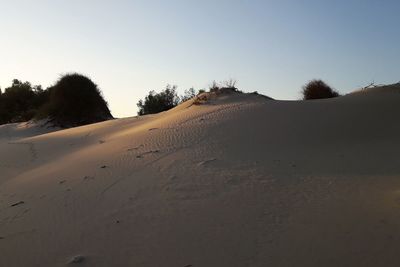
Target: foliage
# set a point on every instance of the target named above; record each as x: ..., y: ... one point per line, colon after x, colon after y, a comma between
x: 158, y: 102
x: 75, y: 100
x: 228, y: 84
x: 214, y: 87
x: 20, y: 101
x: 188, y: 94
x: 317, y: 89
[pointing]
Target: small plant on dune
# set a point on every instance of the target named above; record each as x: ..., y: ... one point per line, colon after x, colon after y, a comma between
x: 214, y: 87
x: 230, y: 84
x: 223, y: 86
x: 318, y: 89
x: 158, y: 102
x: 191, y: 93
x: 201, y: 99
x: 75, y: 100
x: 188, y: 94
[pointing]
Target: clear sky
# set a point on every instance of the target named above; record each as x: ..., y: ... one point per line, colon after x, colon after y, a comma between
x: 131, y: 47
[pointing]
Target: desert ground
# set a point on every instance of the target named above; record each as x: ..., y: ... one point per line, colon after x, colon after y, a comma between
x: 240, y: 180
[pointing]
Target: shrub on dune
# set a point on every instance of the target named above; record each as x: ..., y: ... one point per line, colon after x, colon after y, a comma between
x: 158, y: 102
x: 75, y: 100
x: 226, y: 86
x: 20, y: 101
x: 318, y: 89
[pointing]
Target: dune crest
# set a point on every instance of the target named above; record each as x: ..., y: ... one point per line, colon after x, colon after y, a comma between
x: 237, y: 180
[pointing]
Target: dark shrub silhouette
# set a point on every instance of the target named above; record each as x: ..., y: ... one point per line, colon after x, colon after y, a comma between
x: 75, y: 100
x: 20, y: 102
x: 229, y: 85
x: 317, y: 89
x: 214, y: 87
x: 3, y: 111
x: 158, y: 102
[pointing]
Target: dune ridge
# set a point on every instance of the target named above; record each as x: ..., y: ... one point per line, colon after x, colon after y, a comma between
x: 240, y: 180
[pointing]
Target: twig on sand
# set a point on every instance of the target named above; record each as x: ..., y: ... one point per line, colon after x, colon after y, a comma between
x: 206, y: 161
x: 18, y: 203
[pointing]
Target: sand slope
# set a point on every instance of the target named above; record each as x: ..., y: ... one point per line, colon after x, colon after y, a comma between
x: 239, y: 181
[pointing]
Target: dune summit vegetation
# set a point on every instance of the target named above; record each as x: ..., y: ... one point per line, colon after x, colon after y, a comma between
x: 74, y: 100
x: 318, y: 89
x: 168, y: 98
x: 165, y: 100
x: 158, y: 102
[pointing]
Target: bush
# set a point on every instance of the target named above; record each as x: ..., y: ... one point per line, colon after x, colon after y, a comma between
x: 189, y: 94
x: 20, y: 102
x: 75, y: 100
x: 317, y: 89
x: 214, y: 87
x: 3, y: 111
x: 158, y: 102
x: 226, y: 86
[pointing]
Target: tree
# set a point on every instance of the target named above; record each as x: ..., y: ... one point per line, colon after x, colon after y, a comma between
x: 188, y: 94
x: 158, y: 102
x: 317, y: 89
x: 18, y: 102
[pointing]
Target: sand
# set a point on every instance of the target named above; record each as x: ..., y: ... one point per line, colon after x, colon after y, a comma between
x: 238, y: 181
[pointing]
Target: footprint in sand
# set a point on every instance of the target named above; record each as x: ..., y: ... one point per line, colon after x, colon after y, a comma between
x: 147, y: 153
x: 134, y: 148
x: 77, y: 259
x: 202, y: 163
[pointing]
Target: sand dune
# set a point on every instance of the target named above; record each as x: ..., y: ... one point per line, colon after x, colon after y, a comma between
x: 239, y: 181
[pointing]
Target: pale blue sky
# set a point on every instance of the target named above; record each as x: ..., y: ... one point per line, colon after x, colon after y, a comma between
x: 131, y: 47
